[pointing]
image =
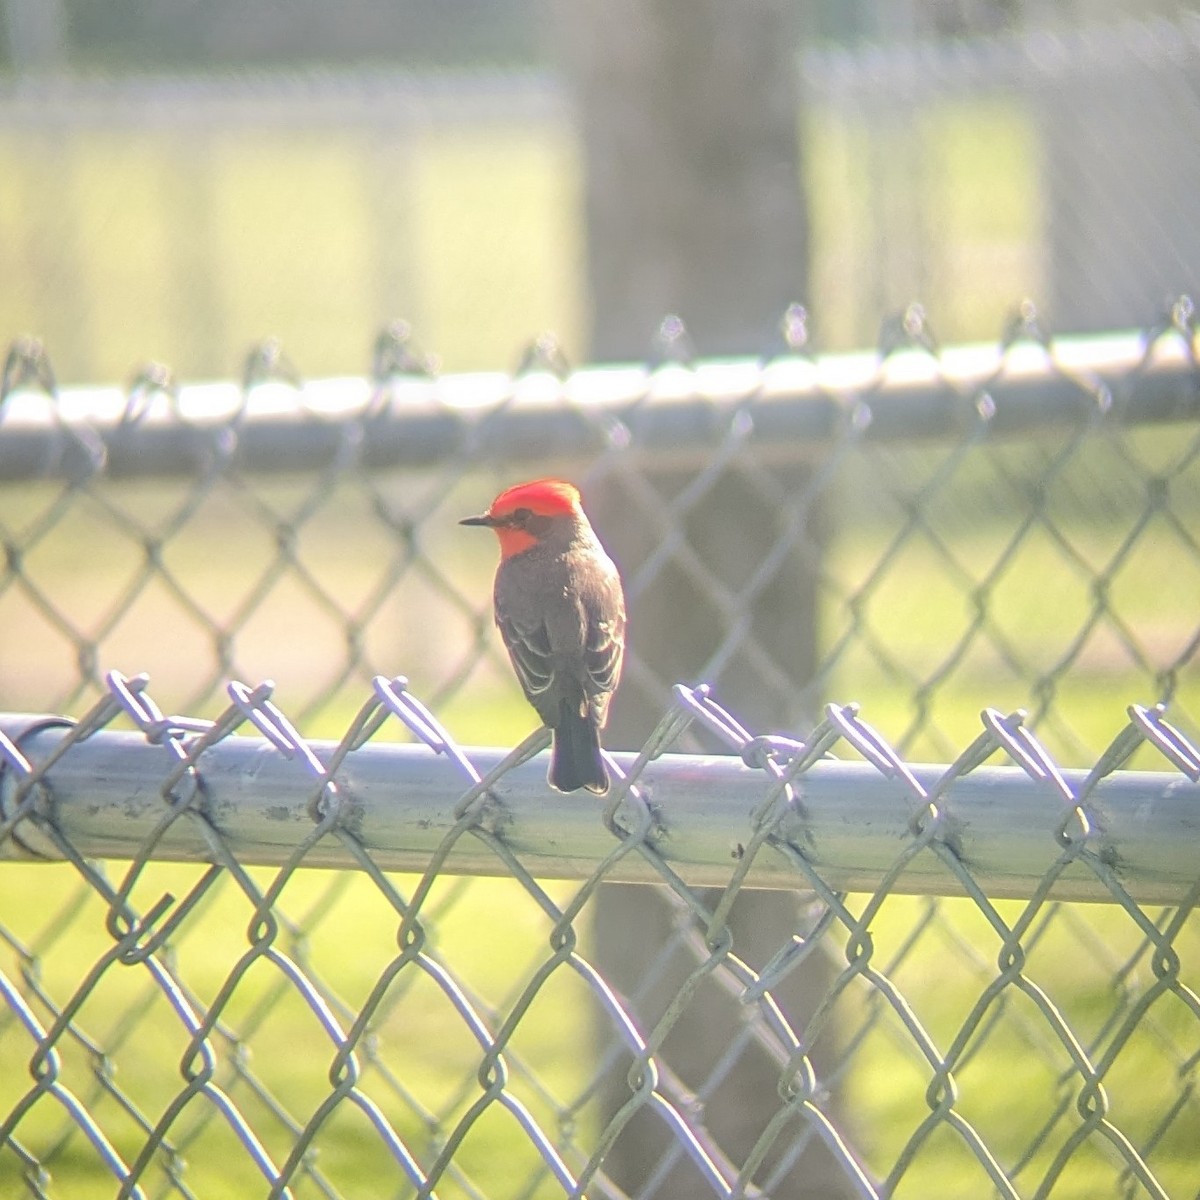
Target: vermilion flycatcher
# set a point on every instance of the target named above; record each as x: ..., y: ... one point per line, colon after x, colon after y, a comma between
x: 561, y: 613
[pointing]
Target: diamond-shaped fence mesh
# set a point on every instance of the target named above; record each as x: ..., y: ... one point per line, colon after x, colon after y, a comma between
x: 906, y: 746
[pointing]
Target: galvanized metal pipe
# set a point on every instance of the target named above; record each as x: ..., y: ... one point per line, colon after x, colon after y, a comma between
x: 851, y: 823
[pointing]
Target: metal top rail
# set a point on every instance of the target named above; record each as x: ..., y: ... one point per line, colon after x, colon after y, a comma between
x: 779, y: 814
x: 851, y: 823
x: 403, y: 416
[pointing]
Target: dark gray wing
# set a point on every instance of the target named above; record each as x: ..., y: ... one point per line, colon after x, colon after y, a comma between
x: 605, y: 645
x: 529, y: 649
x: 605, y: 649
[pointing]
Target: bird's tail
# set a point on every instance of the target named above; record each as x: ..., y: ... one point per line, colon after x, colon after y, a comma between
x: 575, y: 760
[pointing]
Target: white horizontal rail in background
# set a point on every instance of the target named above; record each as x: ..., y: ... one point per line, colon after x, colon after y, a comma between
x: 785, y: 404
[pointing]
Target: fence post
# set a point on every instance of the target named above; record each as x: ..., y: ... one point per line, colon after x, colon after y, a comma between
x: 687, y: 111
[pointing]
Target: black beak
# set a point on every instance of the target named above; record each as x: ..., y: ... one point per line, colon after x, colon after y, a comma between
x: 483, y: 519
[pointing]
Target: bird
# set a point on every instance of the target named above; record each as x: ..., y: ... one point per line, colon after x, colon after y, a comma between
x: 560, y: 610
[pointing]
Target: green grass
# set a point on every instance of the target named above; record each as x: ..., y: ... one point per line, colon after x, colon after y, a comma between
x: 124, y: 246
x: 1019, y: 1078
x: 943, y: 210
x: 920, y: 616
x: 119, y: 248
x: 497, y: 244
x: 487, y: 935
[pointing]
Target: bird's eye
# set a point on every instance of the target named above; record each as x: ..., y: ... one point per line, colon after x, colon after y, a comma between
x: 521, y: 515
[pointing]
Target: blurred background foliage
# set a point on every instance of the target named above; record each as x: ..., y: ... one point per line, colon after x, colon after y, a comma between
x: 179, y: 180
x: 136, y: 34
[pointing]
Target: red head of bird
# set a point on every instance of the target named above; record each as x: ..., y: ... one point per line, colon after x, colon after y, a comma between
x: 524, y: 514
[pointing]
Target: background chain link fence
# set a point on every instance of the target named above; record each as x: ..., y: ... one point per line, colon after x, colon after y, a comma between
x: 962, y: 172
x: 192, y: 1008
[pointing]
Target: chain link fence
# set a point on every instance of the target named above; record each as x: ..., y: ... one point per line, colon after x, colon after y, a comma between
x: 303, y: 939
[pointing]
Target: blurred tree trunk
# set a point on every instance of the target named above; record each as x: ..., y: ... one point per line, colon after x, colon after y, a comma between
x: 688, y: 112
